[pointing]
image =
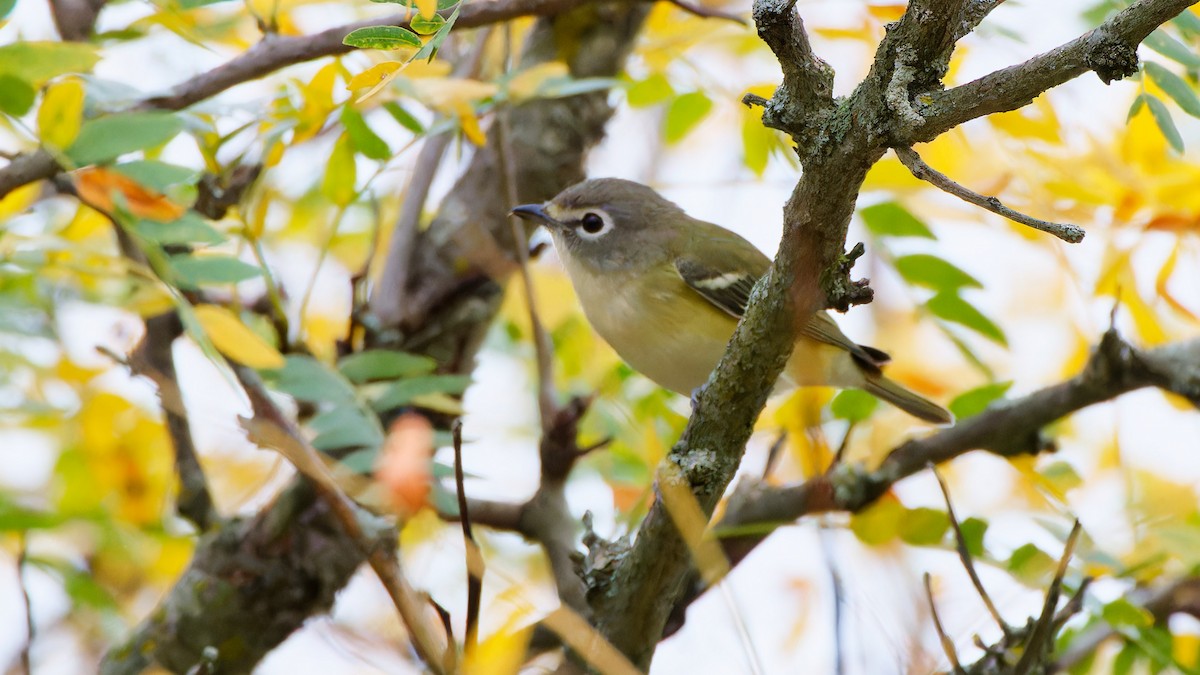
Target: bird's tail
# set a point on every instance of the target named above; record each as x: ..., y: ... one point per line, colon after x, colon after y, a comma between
x: 906, y: 400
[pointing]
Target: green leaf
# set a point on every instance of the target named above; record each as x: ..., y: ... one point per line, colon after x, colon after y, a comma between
x: 651, y: 91
x: 1126, y: 659
x: 404, y: 391
x: 156, y: 175
x: 380, y: 364
x: 307, y: 379
x: 951, y: 307
x: 1187, y: 23
x: 427, y: 26
x: 405, y: 118
x: 973, y: 529
x: 1121, y: 613
x: 1173, y: 49
x: 6, y: 7
x: 345, y: 426
x: 193, y: 271
x: 889, y: 219
x: 975, y: 401
x: 16, y: 95
x: 1061, y: 476
x: 109, y: 137
x: 1175, y: 87
x: 1136, y: 107
x: 364, y: 139
x: 933, y: 272
x: 878, y: 523
x: 684, y: 113
x: 382, y: 37
x: 14, y: 518
x: 189, y: 228
x: 853, y: 405
x: 924, y: 526
x: 37, y: 62
x: 1031, y: 564
x: 431, y: 47
x: 1162, y: 117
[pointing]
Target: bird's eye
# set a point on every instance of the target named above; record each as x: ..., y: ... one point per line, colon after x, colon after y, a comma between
x: 591, y: 223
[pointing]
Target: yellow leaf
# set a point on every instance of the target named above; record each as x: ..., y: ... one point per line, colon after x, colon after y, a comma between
x: 376, y: 76
x: 341, y: 173
x: 470, y: 124
x: 18, y: 200
x: 1148, y: 326
x: 233, y: 339
x: 1037, y: 120
x: 449, y: 94
x: 1164, y: 277
x: 501, y: 653
x: 427, y: 8
x: 887, y: 12
x: 61, y: 113
x: 525, y: 84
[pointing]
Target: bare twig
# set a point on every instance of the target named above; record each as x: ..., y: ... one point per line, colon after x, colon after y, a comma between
x: 943, y: 638
x: 909, y: 157
x: 964, y: 555
x: 153, y: 359
x: 1110, y: 51
x: 1041, y: 640
x: 707, y: 12
x: 269, y: 426
x: 389, y: 306
x: 271, y: 54
x: 30, y: 629
x: 806, y: 94
x: 474, y: 560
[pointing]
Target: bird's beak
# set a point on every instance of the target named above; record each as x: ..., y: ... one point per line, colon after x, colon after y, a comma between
x: 534, y: 212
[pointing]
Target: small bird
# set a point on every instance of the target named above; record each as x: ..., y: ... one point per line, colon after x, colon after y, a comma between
x: 666, y: 291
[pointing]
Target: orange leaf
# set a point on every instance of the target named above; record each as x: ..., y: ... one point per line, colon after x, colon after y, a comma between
x: 403, y: 466
x: 97, y: 186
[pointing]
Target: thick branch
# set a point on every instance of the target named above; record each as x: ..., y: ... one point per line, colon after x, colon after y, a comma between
x: 154, y: 359
x: 1110, y: 51
x: 1006, y: 428
x: 271, y: 54
x: 76, y: 19
x: 806, y: 95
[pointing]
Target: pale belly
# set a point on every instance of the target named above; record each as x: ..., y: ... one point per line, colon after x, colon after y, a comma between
x: 677, y: 344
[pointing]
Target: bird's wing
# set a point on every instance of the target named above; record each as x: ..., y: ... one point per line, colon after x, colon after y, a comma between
x: 729, y: 290
x: 726, y: 282
x: 721, y: 266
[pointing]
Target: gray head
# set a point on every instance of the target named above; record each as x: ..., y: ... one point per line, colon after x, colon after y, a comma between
x: 606, y: 221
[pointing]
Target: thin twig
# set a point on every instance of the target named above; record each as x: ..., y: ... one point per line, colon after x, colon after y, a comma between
x: 271, y: 427
x: 707, y: 12
x: 474, y: 570
x: 960, y: 542
x: 908, y: 157
x: 390, y: 306
x: 1040, y: 641
x: 773, y: 455
x: 22, y: 557
x: 947, y: 643
x: 544, y: 350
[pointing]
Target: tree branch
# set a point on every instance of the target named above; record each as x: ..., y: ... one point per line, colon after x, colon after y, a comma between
x: 799, y: 106
x: 1006, y: 428
x: 908, y: 157
x: 1110, y: 51
x: 272, y: 53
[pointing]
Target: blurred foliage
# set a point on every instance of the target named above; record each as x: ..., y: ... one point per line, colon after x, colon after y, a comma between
x: 268, y: 284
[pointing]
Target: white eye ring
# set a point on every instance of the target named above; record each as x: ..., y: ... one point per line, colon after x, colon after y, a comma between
x: 593, y: 225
